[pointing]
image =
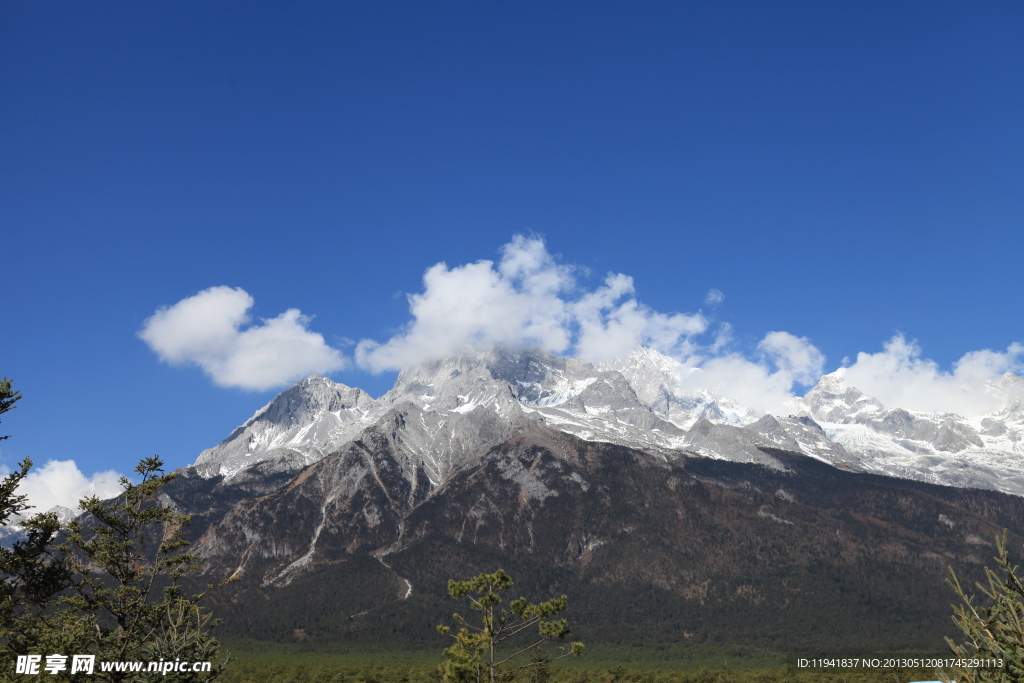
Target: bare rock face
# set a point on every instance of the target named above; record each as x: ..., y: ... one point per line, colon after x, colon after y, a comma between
x: 803, y: 435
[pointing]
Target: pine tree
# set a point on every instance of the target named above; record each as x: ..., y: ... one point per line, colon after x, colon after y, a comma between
x: 994, y: 632
x: 31, y: 578
x: 127, y: 561
x: 31, y: 575
x: 477, y: 654
x: 109, y: 584
x: 8, y: 397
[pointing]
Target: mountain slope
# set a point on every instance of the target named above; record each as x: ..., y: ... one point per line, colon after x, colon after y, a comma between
x: 649, y: 548
x: 667, y: 517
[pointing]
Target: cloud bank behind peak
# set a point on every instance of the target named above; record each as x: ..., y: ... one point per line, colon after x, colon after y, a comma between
x: 528, y: 299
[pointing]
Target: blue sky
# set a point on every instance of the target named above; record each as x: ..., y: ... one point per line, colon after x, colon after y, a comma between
x: 843, y: 172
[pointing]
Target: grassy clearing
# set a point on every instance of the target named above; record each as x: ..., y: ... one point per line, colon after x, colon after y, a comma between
x: 274, y: 663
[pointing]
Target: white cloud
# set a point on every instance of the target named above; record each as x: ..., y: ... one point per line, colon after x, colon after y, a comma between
x: 897, y: 376
x: 765, y: 383
x: 526, y: 299
x: 794, y: 356
x: 900, y: 378
x: 611, y: 323
x: 60, y: 482
x: 207, y: 330
x: 732, y: 376
x: 714, y: 297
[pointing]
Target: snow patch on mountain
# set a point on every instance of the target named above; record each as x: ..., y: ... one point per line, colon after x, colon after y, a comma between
x: 658, y: 380
x: 298, y: 427
x: 443, y: 414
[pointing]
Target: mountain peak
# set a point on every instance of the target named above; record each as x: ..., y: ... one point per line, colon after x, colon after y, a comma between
x: 303, y: 419
x: 832, y: 400
x: 445, y: 413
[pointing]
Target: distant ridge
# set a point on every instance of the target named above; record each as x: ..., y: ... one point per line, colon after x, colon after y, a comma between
x: 458, y: 405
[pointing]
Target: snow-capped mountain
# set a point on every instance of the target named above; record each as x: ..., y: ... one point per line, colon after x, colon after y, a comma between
x: 658, y: 380
x: 944, y: 448
x: 442, y: 414
x: 613, y: 480
x: 300, y: 426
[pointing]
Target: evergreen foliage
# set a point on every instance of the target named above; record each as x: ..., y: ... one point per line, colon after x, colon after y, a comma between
x: 126, y: 598
x: 112, y: 586
x: 475, y: 655
x: 8, y: 397
x: 995, y: 631
x: 108, y: 586
x: 32, y: 575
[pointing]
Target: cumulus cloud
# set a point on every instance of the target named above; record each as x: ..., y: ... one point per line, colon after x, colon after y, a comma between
x: 794, y: 356
x: 752, y: 384
x: 714, y: 297
x: 60, y: 482
x: 611, y: 323
x: 900, y: 378
x: 526, y: 299
x: 980, y: 383
x: 762, y: 383
x: 209, y: 330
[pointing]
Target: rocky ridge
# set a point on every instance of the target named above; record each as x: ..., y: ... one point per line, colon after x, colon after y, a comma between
x: 443, y: 414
